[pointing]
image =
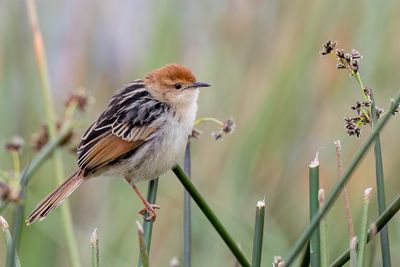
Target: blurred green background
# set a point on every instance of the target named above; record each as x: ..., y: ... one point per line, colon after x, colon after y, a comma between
x: 262, y: 59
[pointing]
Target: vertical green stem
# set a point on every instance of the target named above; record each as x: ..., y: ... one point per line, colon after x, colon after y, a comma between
x: 380, y: 186
x: 144, y: 253
x: 323, y: 231
x: 258, y: 234
x: 148, y: 225
x: 363, y: 229
x: 187, y: 227
x: 41, y: 61
x: 315, y: 252
x: 353, y: 252
x: 94, y: 240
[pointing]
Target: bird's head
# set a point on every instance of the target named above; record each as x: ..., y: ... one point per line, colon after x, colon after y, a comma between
x: 174, y: 84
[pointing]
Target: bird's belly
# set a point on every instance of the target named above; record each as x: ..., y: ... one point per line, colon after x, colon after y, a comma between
x: 159, y: 154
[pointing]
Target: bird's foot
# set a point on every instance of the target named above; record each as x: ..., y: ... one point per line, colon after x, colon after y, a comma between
x: 150, y: 209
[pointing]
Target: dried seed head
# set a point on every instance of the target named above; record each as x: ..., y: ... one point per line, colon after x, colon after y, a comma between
x: 40, y: 138
x: 328, y: 47
x: 196, y: 133
x: 340, y: 66
x: 355, y: 55
x: 229, y: 126
x: 78, y: 97
x: 217, y: 135
x: 351, y: 127
x: 4, y: 191
x: 340, y: 53
x: 15, y: 144
x: 8, y: 193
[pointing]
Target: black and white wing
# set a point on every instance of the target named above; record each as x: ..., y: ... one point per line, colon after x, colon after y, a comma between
x: 130, y: 120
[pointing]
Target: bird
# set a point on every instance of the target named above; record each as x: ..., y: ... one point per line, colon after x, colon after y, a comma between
x: 141, y: 134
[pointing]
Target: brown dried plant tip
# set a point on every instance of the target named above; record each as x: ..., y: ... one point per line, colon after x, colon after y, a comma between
x: 7, y: 193
x: 40, y: 138
x: 79, y: 97
x: 328, y: 47
x: 354, y: 125
x: 195, y: 133
x: 227, y: 128
x: 348, y: 61
x: 15, y: 144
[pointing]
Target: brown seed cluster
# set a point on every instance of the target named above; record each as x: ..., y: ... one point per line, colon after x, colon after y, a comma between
x: 40, y: 138
x: 328, y: 47
x: 345, y: 60
x: 15, y: 144
x: 7, y: 193
x: 348, y: 61
x: 79, y: 97
x: 227, y: 128
x: 354, y: 125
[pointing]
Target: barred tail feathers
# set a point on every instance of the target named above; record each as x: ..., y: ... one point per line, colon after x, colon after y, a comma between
x: 53, y: 200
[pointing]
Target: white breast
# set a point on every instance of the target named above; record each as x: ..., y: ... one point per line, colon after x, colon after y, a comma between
x: 165, y: 150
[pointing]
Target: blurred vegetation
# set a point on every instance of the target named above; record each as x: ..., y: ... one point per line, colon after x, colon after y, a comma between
x: 262, y: 59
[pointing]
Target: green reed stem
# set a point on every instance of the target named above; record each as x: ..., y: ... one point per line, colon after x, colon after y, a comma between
x: 380, y: 186
x: 212, y: 218
x: 323, y: 231
x: 258, y: 234
x: 9, y: 242
x: 315, y: 244
x: 144, y: 254
x: 353, y: 252
x: 148, y: 225
x: 363, y: 229
x: 94, y: 240
x: 380, y: 223
x: 336, y: 190
x: 187, y: 217
x: 41, y: 60
x: 26, y: 175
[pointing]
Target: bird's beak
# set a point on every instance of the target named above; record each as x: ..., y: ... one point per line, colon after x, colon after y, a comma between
x: 200, y: 84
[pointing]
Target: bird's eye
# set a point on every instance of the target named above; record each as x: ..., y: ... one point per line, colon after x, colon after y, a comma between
x: 178, y: 86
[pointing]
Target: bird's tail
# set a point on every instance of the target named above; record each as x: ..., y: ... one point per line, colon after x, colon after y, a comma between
x: 54, y: 199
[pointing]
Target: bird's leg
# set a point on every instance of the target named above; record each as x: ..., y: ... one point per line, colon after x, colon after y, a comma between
x: 148, y: 207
